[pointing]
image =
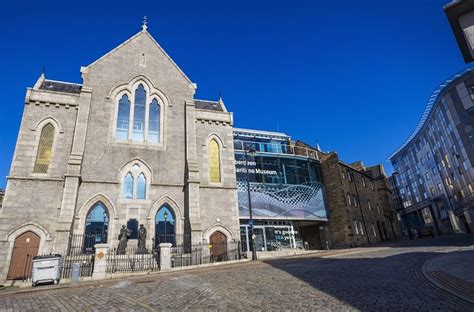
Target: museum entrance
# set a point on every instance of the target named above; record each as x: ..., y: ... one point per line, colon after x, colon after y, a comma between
x: 25, y: 248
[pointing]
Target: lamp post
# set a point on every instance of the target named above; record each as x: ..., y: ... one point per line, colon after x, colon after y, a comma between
x: 407, y: 223
x: 250, y: 151
x: 102, y: 240
x: 165, y: 216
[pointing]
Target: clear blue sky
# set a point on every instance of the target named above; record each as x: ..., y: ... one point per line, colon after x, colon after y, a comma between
x: 352, y: 75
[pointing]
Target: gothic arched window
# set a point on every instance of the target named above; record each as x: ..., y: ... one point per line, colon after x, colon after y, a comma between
x: 139, y: 114
x: 123, y: 118
x: 165, y: 226
x: 141, y: 186
x: 45, y: 149
x: 154, y: 122
x: 128, y: 186
x: 214, y: 161
x: 97, y: 225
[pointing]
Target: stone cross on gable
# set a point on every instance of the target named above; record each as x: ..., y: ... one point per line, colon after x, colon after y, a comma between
x: 145, y: 22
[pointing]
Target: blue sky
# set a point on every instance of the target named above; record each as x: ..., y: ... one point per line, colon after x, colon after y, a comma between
x: 352, y: 75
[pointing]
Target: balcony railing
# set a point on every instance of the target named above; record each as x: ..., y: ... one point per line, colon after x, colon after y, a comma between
x: 275, y: 148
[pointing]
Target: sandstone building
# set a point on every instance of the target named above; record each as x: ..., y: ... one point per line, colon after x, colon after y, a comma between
x: 360, y: 209
x: 130, y: 145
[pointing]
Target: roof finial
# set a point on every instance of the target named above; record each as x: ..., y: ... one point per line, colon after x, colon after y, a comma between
x: 145, y: 22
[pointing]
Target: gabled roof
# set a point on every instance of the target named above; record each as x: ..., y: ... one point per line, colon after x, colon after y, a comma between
x: 208, y: 105
x: 143, y: 32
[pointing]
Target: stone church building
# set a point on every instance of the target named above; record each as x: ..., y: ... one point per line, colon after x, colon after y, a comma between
x: 129, y: 146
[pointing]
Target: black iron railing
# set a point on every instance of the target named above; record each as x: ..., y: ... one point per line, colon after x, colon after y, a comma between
x: 132, y: 260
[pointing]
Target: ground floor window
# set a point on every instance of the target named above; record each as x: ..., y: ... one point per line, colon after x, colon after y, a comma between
x: 96, y: 228
x: 270, y: 235
x: 165, y: 226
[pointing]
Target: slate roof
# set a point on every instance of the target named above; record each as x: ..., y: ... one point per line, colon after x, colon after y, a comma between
x: 208, y: 105
x: 58, y: 86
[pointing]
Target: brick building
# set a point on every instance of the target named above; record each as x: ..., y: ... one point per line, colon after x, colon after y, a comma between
x: 129, y: 145
x: 359, y: 204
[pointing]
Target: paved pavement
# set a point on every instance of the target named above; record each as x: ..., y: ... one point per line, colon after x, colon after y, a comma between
x: 388, y: 278
x: 453, y: 272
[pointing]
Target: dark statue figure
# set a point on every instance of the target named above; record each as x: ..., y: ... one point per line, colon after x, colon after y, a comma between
x: 142, y: 240
x: 123, y: 240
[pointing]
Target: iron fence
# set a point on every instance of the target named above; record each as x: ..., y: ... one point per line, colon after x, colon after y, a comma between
x: 85, y: 243
x: 85, y: 260
x: 174, y: 240
x: 132, y: 260
x: 182, y: 256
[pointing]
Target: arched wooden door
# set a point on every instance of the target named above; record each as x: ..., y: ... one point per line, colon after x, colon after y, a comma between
x: 218, y: 242
x: 25, y: 248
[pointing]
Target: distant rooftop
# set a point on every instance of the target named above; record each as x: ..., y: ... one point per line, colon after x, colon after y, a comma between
x: 60, y: 86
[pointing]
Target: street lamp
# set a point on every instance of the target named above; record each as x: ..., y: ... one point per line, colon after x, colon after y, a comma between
x: 407, y: 223
x: 250, y: 151
x: 165, y: 216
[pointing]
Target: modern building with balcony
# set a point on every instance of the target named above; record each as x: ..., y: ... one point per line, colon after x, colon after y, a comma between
x: 433, y: 172
x: 286, y: 192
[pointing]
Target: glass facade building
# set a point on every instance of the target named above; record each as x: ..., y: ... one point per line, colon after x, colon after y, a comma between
x: 433, y: 173
x: 286, y: 191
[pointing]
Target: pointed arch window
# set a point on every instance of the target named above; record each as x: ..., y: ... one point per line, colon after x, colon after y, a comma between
x: 141, y: 186
x: 138, y: 133
x: 140, y: 115
x: 214, y: 161
x: 165, y: 226
x: 97, y: 226
x: 45, y: 149
x: 154, y: 122
x: 135, y: 182
x: 128, y: 186
x: 123, y: 118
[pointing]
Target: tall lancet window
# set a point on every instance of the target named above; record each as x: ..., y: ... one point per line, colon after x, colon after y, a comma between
x: 123, y: 118
x: 214, y: 161
x: 154, y: 122
x: 128, y: 186
x: 139, y: 114
x: 45, y: 149
x: 141, y: 186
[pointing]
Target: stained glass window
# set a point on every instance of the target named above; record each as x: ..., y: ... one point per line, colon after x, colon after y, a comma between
x: 128, y: 186
x: 139, y: 114
x: 214, y: 161
x: 45, y: 148
x: 154, y: 122
x: 123, y: 118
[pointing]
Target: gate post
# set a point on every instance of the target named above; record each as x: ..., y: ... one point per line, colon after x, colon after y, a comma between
x: 165, y: 256
x: 100, y: 261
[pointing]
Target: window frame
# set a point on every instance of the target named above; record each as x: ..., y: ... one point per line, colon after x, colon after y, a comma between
x: 151, y: 94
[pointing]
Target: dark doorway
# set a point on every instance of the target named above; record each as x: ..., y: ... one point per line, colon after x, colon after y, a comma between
x: 218, y: 242
x: 25, y: 248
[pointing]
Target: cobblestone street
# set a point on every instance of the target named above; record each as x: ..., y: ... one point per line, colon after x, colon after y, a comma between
x: 384, y: 278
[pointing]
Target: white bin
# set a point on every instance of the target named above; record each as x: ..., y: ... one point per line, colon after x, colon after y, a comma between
x: 46, y: 269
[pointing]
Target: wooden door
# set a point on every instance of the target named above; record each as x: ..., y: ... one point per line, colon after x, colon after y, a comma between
x: 25, y: 248
x: 218, y: 243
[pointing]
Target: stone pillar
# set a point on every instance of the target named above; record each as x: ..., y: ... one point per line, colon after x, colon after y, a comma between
x: 100, y: 261
x: 192, y: 176
x: 165, y: 256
